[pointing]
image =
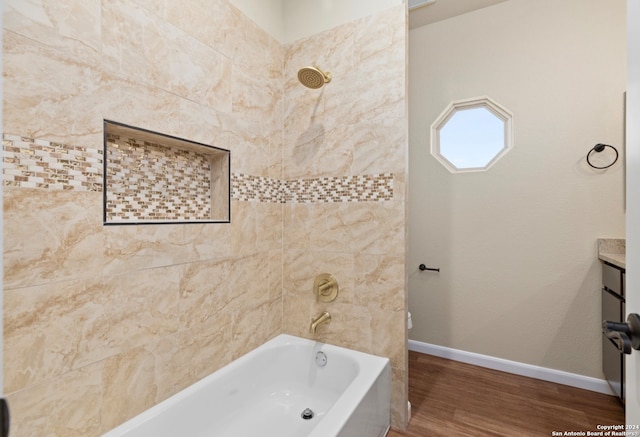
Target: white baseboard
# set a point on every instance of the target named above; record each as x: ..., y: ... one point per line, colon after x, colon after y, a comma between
x: 543, y: 373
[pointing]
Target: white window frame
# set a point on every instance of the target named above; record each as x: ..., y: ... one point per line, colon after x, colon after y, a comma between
x: 489, y: 104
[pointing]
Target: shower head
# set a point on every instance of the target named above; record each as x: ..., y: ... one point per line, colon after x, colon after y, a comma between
x: 313, y: 77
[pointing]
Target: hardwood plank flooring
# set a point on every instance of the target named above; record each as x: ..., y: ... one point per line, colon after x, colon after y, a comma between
x: 449, y: 398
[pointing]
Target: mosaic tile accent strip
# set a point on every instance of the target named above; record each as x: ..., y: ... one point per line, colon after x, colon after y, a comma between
x: 152, y: 176
x: 152, y: 182
x: 30, y: 163
x: 256, y: 188
x: 363, y: 188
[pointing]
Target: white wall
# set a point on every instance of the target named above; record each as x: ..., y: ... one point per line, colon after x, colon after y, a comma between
x: 516, y: 244
x: 307, y: 17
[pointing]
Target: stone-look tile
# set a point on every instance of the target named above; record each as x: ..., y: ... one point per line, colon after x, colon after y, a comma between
x: 191, y: 354
x: 139, y: 105
x: 249, y: 147
x: 307, y: 119
x: 256, y: 98
x: 399, y: 396
x: 401, y: 190
x: 379, y: 147
x: 302, y: 266
x: 203, y: 124
x: 54, y: 23
x: 58, y: 327
x: 365, y: 148
x: 158, y: 7
x: 139, y: 47
x: 354, y: 94
x: 275, y: 279
x: 257, y: 227
x: 388, y: 333
x: 332, y: 51
x: 304, y: 121
x: 50, y: 236
x: 131, y: 248
x: 274, y: 160
x: 68, y: 406
x: 353, y: 124
x: 254, y: 324
x: 350, y: 327
x: 317, y: 151
x: 229, y: 285
x: 38, y: 104
x: 208, y: 241
x: 380, y: 51
x: 224, y: 28
x: 43, y: 330
x: 350, y: 324
x: 380, y: 43
x: 374, y: 228
x: 177, y: 302
x: 144, y: 305
x: 379, y: 281
x: 220, y: 30
x: 129, y: 386
x: 373, y: 310
x: 297, y: 313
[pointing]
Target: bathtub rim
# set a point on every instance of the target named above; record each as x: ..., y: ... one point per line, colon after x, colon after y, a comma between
x: 348, y: 401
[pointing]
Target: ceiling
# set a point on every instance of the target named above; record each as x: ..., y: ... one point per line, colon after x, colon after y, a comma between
x: 443, y: 9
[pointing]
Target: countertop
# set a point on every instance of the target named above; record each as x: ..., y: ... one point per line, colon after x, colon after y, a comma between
x: 613, y: 251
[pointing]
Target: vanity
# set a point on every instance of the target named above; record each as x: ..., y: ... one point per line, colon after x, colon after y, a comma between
x: 611, y: 253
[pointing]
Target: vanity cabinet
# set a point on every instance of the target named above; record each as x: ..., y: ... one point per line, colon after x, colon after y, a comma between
x: 613, y: 309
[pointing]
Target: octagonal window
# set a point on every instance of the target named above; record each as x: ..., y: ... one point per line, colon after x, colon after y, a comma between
x: 471, y: 134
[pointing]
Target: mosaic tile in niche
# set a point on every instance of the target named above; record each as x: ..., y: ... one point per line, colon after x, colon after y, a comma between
x: 149, y: 181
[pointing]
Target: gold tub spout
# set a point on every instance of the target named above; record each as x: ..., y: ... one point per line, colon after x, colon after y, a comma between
x: 322, y: 318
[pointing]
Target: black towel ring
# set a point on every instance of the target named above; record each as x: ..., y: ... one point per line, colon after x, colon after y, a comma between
x: 599, y: 148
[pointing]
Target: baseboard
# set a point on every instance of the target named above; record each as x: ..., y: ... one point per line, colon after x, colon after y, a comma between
x: 531, y: 371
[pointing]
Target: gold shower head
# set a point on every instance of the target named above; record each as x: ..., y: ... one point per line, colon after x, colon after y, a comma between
x: 313, y: 77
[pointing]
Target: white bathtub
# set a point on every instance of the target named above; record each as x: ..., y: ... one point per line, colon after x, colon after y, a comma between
x: 264, y: 393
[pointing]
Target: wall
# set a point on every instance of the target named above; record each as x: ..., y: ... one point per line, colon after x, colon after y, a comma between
x: 351, y: 132
x: 291, y: 20
x: 517, y: 244
x: 268, y: 14
x: 303, y: 18
x: 103, y: 322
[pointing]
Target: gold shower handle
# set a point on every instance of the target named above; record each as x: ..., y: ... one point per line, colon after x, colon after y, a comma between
x: 325, y: 287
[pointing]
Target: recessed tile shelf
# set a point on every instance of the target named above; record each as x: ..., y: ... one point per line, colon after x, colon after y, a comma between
x: 153, y: 178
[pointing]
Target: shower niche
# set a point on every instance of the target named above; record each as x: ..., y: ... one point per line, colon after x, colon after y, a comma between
x: 154, y: 178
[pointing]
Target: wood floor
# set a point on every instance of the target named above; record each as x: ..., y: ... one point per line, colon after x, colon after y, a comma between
x: 450, y: 398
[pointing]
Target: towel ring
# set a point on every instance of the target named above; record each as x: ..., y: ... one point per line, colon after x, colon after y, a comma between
x: 599, y: 148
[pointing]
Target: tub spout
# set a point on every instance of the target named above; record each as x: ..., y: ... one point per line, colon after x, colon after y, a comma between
x: 325, y: 317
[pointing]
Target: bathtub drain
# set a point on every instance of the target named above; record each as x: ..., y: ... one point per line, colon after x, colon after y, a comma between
x: 307, y: 414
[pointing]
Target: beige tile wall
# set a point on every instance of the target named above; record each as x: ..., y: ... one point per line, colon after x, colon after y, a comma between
x: 354, y: 125
x: 102, y: 322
